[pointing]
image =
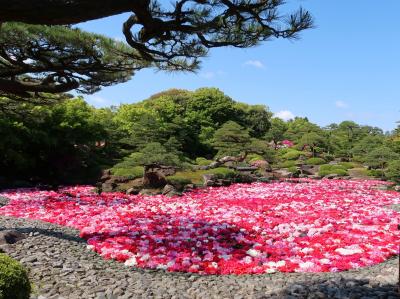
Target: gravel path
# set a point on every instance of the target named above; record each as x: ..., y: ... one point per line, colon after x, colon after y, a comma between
x: 61, y: 266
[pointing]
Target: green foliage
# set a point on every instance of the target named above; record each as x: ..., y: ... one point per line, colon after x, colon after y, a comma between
x: 294, y: 170
x: 231, y: 139
x: 54, y: 59
x: 178, y: 180
x: 14, y: 282
x: 393, y: 171
x: 277, y: 131
x: 196, y: 177
x: 315, y: 161
x: 380, y: 157
x: 292, y: 154
x: 203, y: 161
x: 130, y: 172
x: 254, y: 157
x: 347, y: 165
x: 287, y: 164
x: 332, y: 169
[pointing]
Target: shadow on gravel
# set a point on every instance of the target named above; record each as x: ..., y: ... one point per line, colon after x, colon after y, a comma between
x: 339, y: 288
x: 46, y: 232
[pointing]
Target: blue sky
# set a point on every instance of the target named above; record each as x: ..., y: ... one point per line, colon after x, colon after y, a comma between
x: 347, y: 68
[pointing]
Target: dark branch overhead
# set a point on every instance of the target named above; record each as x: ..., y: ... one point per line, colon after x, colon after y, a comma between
x: 173, y: 36
x: 60, y: 12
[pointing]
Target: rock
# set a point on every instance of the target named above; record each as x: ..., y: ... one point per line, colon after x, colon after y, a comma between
x: 106, y: 175
x: 396, y: 188
x: 331, y: 176
x: 245, y: 178
x: 154, y: 179
x: 188, y: 187
x: 309, y: 169
x: 209, y: 179
x: 169, y: 190
x: 261, y: 164
x: 108, y: 187
x: 3, y: 201
x: 10, y: 237
x: 132, y: 187
x: 132, y: 191
x: 282, y: 174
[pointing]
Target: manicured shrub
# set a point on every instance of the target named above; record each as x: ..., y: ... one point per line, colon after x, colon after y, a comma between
x: 287, y: 164
x: 293, y: 155
x: 347, y: 165
x: 393, y: 171
x: 203, y: 161
x: 315, y: 161
x: 14, y: 282
x: 222, y: 172
x: 332, y: 169
x: 254, y: 157
x: 131, y: 172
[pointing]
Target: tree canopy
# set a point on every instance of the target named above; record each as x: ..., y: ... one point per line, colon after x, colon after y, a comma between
x: 41, y: 59
x: 174, y: 35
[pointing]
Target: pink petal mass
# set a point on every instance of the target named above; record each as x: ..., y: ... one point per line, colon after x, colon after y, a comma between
x: 315, y: 226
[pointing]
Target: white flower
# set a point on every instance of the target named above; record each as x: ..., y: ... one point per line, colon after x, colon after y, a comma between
x: 270, y: 271
x: 307, y: 250
x: 306, y: 265
x: 253, y: 252
x: 325, y: 261
x: 349, y: 250
x: 90, y: 247
x: 131, y: 262
x: 247, y: 260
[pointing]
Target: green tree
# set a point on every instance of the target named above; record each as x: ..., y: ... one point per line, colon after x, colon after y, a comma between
x: 40, y: 59
x: 314, y: 141
x: 380, y: 157
x: 172, y: 35
x: 277, y: 131
x: 233, y: 140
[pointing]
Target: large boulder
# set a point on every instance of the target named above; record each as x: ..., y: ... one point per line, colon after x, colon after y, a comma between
x: 108, y: 187
x: 133, y: 186
x: 154, y: 179
x: 309, y: 169
x: 209, y: 180
x: 261, y: 164
x: 170, y: 190
x: 282, y: 174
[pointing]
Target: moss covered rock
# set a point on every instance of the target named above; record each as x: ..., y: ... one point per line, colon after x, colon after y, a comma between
x: 14, y: 282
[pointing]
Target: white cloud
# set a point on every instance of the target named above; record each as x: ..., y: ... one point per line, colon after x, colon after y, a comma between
x: 284, y: 114
x: 341, y: 104
x: 255, y: 63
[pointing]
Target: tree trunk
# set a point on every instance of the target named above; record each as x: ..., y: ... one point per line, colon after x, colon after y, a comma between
x: 61, y: 12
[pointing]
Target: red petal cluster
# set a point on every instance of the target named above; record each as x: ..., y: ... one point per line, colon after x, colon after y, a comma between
x: 314, y: 226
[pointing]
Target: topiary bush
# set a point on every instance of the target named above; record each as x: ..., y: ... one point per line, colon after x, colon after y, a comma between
x: 222, y: 172
x: 254, y: 157
x: 131, y: 172
x: 293, y: 155
x: 327, y: 169
x: 287, y: 164
x: 348, y: 165
x: 315, y: 161
x: 14, y: 282
x: 393, y: 171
